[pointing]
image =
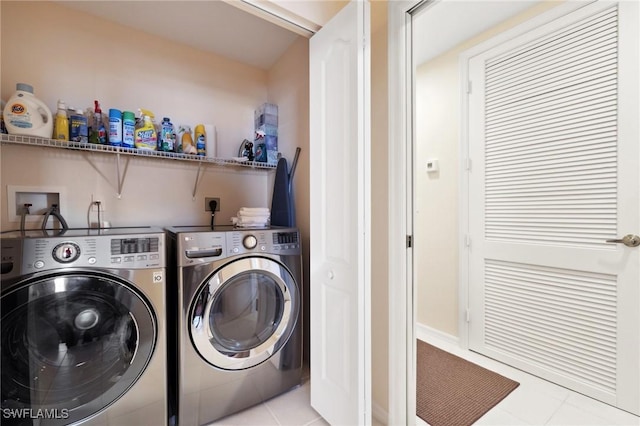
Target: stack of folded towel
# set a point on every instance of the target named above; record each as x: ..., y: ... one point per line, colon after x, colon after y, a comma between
x: 252, y: 217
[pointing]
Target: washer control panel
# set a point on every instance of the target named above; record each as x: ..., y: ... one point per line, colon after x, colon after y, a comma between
x: 126, y: 252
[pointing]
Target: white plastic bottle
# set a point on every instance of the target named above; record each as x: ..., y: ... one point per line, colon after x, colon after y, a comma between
x: 27, y: 115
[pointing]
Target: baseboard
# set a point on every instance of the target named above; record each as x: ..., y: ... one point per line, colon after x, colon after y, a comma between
x: 379, y: 413
x: 426, y: 333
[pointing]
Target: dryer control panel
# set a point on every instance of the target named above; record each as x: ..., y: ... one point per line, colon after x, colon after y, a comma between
x: 263, y: 241
x: 206, y: 245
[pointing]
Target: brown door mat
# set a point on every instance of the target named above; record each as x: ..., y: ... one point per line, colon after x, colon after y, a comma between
x: 451, y: 391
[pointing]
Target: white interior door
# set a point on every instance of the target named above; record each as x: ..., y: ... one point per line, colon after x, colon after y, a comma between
x: 340, y: 218
x: 553, y: 144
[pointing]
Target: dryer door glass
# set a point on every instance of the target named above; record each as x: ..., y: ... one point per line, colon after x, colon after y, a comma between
x: 73, y: 343
x: 244, y: 313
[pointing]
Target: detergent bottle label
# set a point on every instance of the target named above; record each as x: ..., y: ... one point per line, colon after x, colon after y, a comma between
x: 146, y: 137
x: 19, y: 116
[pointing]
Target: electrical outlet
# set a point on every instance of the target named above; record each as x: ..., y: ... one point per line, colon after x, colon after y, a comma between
x: 97, y: 204
x: 207, y: 200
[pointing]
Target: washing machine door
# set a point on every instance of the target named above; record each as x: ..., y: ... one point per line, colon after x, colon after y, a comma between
x: 244, y: 313
x: 72, y: 344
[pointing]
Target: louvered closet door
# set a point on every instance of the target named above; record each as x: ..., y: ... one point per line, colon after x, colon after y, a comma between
x: 553, y: 124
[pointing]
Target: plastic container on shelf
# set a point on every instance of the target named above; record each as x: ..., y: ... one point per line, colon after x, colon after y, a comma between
x: 61, y: 125
x: 98, y: 133
x: 212, y: 149
x: 266, y: 133
x: 200, y: 140
x: 78, y: 126
x: 3, y: 129
x: 27, y: 115
x: 167, y: 141
x: 186, y: 140
x: 115, y: 127
x: 128, y: 129
x: 145, y: 135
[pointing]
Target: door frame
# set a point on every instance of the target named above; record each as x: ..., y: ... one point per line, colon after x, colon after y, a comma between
x: 402, y: 292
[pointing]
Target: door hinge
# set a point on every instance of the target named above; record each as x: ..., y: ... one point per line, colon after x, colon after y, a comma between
x: 467, y: 240
x: 468, y: 315
x: 467, y: 164
x: 409, y: 241
x: 469, y: 87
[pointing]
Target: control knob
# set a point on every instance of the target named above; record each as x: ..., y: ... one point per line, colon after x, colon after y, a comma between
x: 250, y: 242
x: 66, y: 252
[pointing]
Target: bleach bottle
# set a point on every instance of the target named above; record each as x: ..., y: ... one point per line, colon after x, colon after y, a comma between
x: 27, y: 115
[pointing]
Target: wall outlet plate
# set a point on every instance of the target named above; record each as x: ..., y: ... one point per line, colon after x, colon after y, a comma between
x: 207, y: 200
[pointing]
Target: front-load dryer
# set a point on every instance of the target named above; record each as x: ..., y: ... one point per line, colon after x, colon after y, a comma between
x: 239, y: 335
x: 83, y: 327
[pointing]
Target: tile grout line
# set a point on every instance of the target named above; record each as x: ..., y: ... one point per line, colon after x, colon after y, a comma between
x: 272, y: 413
x: 564, y: 401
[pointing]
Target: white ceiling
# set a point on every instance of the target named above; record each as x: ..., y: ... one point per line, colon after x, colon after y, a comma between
x: 445, y: 24
x: 217, y: 27
x: 212, y: 26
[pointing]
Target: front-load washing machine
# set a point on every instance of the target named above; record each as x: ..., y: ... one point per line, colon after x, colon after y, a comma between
x: 83, y: 327
x: 239, y: 328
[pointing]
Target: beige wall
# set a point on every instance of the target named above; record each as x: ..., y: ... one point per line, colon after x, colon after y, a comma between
x: 288, y: 82
x: 76, y: 57
x: 379, y: 206
x: 437, y: 194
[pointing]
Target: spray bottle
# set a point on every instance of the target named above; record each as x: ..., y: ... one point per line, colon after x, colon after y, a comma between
x: 201, y: 140
x: 145, y: 134
x: 98, y: 132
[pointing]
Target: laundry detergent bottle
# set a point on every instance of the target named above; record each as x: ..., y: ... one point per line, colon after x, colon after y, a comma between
x: 27, y: 115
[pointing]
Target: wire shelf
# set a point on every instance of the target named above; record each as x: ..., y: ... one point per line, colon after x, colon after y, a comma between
x: 53, y: 143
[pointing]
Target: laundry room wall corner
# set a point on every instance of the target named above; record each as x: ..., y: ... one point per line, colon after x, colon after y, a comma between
x: 288, y: 87
x: 379, y: 213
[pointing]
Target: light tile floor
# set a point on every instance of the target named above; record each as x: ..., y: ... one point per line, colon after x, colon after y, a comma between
x: 292, y: 409
x: 537, y: 401
x: 534, y: 402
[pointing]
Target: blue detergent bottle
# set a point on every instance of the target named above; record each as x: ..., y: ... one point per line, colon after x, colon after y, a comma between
x: 167, y: 136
